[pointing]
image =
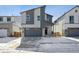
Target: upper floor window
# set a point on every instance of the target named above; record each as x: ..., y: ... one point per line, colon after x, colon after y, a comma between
x: 38, y: 18
x: 1, y: 19
x: 8, y: 19
x: 48, y: 19
x: 71, y: 19
x: 27, y: 17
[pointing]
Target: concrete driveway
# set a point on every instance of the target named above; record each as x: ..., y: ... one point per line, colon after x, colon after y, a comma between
x: 50, y: 45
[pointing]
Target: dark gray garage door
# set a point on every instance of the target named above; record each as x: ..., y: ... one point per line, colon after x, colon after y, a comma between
x: 32, y: 32
x: 73, y: 32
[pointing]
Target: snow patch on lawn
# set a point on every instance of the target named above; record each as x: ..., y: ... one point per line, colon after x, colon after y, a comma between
x: 12, y: 43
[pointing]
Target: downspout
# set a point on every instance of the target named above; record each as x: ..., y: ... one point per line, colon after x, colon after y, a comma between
x: 53, y: 29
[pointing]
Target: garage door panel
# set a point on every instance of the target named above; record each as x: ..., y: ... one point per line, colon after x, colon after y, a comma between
x: 73, y: 32
x: 32, y: 32
x: 3, y: 32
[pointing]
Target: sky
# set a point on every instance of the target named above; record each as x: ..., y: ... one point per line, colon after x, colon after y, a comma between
x: 55, y: 10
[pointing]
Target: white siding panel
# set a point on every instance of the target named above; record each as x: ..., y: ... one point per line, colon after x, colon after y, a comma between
x: 72, y: 13
x: 71, y: 26
x: 18, y: 21
x: 37, y: 13
x: 36, y: 22
x: 23, y: 17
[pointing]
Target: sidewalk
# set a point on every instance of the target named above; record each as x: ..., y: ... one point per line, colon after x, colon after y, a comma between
x: 72, y: 38
x: 13, y: 51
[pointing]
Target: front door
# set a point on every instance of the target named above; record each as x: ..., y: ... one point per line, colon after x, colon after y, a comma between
x: 46, y: 31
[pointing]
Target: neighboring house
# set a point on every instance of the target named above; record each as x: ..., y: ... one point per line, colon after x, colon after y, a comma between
x: 36, y: 22
x: 8, y: 26
x: 68, y: 24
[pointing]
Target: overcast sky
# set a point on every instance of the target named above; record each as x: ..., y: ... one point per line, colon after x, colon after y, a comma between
x: 55, y: 10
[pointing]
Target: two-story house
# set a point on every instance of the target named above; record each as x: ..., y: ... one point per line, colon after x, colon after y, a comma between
x: 36, y: 22
x: 68, y: 23
x: 8, y: 26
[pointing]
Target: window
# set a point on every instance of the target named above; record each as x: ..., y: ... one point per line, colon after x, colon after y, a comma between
x: 8, y: 19
x: 27, y: 17
x: 1, y: 19
x: 38, y: 18
x: 48, y: 18
x: 71, y: 19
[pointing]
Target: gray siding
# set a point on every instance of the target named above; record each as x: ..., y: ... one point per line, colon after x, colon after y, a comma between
x: 42, y: 15
x: 45, y: 23
x: 49, y: 18
x: 31, y: 13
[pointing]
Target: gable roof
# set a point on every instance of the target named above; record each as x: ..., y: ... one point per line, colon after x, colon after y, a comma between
x: 64, y: 14
x: 32, y: 9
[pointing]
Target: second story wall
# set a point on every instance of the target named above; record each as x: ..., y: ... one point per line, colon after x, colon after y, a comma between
x: 48, y: 18
x: 68, y: 20
x: 33, y: 18
x: 37, y: 20
x: 18, y: 21
x: 7, y: 19
x: 11, y: 19
x: 74, y: 13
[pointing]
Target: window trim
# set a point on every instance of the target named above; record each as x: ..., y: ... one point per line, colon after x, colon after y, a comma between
x: 1, y: 19
x: 9, y: 20
x: 48, y: 19
x: 38, y: 18
x: 28, y: 19
x: 71, y: 20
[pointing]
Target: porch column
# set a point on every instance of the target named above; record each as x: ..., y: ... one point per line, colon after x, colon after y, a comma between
x: 43, y: 32
x: 22, y: 32
x: 49, y: 30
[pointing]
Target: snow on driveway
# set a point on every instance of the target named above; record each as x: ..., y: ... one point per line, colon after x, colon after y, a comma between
x: 58, y: 45
x: 50, y: 44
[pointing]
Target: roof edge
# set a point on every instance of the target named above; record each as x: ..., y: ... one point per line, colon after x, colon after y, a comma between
x: 65, y: 13
x: 33, y: 9
x: 49, y: 14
